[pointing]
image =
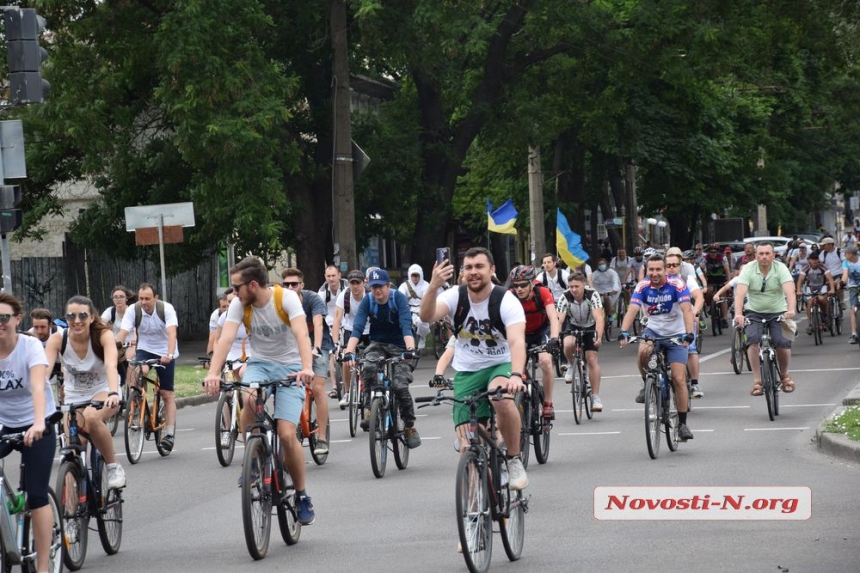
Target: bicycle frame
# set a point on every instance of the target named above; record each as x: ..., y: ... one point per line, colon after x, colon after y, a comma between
x: 142, y: 381
x: 13, y: 511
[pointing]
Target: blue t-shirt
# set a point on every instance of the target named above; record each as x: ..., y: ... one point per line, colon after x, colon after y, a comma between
x: 853, y: 272
x: 389, y: 322
x: 662, y: 305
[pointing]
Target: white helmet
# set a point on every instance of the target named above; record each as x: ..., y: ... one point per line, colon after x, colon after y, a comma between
x: 648, y: 252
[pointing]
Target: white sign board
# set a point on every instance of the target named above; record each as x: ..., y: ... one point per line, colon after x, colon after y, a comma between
x: 170, y: 214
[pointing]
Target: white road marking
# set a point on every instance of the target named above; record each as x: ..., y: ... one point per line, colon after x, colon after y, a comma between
x: 588, y: 433
x: 773, y: 429
x: 714, y: 355
x: 804, y: 405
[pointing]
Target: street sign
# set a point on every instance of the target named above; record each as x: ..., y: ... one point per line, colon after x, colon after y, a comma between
x: 14, y: 165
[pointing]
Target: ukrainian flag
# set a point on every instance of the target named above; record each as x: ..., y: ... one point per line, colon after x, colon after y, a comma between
x: 503, y: 219
x: 568, y: 243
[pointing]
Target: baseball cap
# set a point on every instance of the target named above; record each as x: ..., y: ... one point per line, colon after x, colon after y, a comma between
x: 355, y: 276
x: 379, y: 277
x: 827, y: 241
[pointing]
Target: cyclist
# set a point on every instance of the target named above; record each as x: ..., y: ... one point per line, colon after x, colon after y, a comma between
x: 315, y: 311
x: 42, y: 329
x: 818, y: 281
x: 851, y: 277
x: 717, y: 273
x: 413, y: 288
x: 155, y: 323
x: 488, y: 354
x: 770, y: 291
x: 607, y: 282
x: 747, y: 257
x: 675, y: 267
x: 240, y: 350
x: 635, y: 270
x: 390, y: 335
x: 281, y: 347
x: 581, y: 307
x: 87, y: 349
x: 620, y: 263
x: 213, y: 321
x: 329, y: 291
x: 345, y: 309
x: 831, y: 258
x: 542, y: 326
x: 553, y: 277
x: 798, y: 258
x: 113, y: 315
x: 699, y: 255
x: 666, y: 301
x: 25, y: 400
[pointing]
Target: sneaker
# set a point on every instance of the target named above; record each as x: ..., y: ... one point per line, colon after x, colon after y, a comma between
x: 684, y: 433
x: 167, y: 443
x: 568, y: 376
x: 640, y: 398
x: 344, y: 402
x: 517, y: 477
x: 305, y: 510
x: 596, y: 404
x: 116, y: 476
x: 809, y: 330
x: 225, y: 440
x: 548, y: 411
x: 724, y: 323
x: 413, y: 440
x: 365, y: 424
x: 702, y: 324
x: 853, y: 339
x: 321, y: 448
x: 696, y: 392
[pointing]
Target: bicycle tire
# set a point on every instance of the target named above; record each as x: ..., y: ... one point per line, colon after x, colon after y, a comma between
x: 314, y: 437
x: 587, y: 397
x: 768, y: 385
x: 113, y: 422
x: 109, y: 507
x: 224, y: 424
x: 542, y: 427
x: 256, y: 499
x: 637, y: 325
x: 55, y: 558
x: 398, y: 438
x: 670, y: 426
x: 354, y: 402
x: 135, y: 424
x: 837, y: 318
x: 738, y: 351
x: 513, y: 526
x: 474, y: 518
x: 776, y: 385
x: 438, y: 343
x: 75, y: 514
x: 378, y: 438
x: 159, y: 421
x: 716, y: 325
x: 288, y: 522
x: 524, y: 405
x: 576, y: 387
x: 815, y: 324
x: 652, y: 416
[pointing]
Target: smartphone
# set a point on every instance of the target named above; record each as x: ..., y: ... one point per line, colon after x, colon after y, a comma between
x: 443, y: 254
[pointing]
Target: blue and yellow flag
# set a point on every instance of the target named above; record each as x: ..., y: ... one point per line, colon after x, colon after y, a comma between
x: 503, y: 219
x: 568, y: 243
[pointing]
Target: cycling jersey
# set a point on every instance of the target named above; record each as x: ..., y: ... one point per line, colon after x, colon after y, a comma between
x: 853, y: 272
x: 635, y: 265
x: 815, y: 278
x: 715, y: 268
x: 536, y: 317
x: 579, y: 314
x: 662, y: 305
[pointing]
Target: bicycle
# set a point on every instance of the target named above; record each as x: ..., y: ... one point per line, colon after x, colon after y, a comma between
x: 228, y: 414
x: 84, y: 493
x: 265, y: 481
x: 770, y: 375
x: 580, y: 388
x: 441, y: 334
x: 660, y: 407
x: 355, y: 397
x: 856, y: 310
x: 17, y: 539
x: 607, y: 324
x: 530, y: 404
x: 816, y: 321
x: 385, y: 425
x: 836, y: 314
x: 716, y: 317
x: 113, y: 422
x: 143, y: 422
x: 309, y: 428
x: 482, y: 491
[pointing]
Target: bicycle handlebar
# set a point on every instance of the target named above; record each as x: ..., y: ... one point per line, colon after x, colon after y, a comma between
x: 642, y: 338
x: 149, y: 362
x: 97, y: 404
x: 441, y: 397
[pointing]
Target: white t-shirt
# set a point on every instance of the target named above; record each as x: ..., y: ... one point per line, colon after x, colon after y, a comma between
x: 478, y: 345
x: 152, y: 333
x: 213, y: 320
x: 239, y: 342
x: 552, y: 283
x: 349, y: 317
x: 271, y: 338
x: 117, y: 325
x: 329, y: 306
x: 16, y: 401
x: 84, y: 377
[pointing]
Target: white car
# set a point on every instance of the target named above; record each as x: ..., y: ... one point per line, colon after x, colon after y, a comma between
x: 779, y: 243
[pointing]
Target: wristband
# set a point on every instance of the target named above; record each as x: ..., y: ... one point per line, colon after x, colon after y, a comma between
x: 113, y: 394
x: 517, y: 374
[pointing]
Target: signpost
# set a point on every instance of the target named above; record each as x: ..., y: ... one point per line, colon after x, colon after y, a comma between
x: 165, y: 220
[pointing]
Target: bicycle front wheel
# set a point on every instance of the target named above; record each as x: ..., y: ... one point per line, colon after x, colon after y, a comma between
x: 354, y: 403
x: 652, y: 416
x: 815, y: 324
x: 225, y: 429
x: 524, y: 406
x: 542, y: 427
x: 398, y: 440
x: 134, y: 428
x: 256, y: 498
x: 672, y: 419
x: 474, y: 521
x: 738, y: 351
x: 768, y: 380
x: 109, y: 516
x: 55, y: 556
x: 378, y: 437
x: 513, y: 527
x: 159, y: 423
x: 316, y: 435
x: 74, y: 513
x: 576, y: 389
x: 288, y: 521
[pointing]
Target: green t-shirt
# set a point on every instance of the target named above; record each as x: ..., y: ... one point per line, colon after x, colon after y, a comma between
x: 772, y: 299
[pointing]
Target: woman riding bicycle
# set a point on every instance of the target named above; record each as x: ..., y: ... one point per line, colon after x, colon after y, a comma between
x: 26, y: 400
x: 89, y: 355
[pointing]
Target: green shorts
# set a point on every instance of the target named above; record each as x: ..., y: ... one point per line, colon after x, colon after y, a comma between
x: 468, y: 383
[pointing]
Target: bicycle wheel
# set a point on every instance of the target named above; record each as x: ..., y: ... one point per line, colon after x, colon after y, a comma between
x: 354, y: 403
x: 738, y: 351
x: 159, y: 421
x: 542, y: 427
x: 113, y: 422
x: 378, y: 437
x: 815, y: 324
x: 288, y: 521
x: 438, y: 343
x: 587, y: 398
x: 670, y: 426
x: 637, y: 325
x: 716, y: 325
x: 524, y: 405
x: 256, y: 498
x: 225, y: 428
x: 134, y: 427
x: 513, y: 526
x: 768, y: 385
x: 109, y: 501
x: 74, y: 512
x: 474, y: 520
x: 652, y: 416
x: 319, y: 459
x: 398, y: 439
x: 576, y: 388
x: 837, y: 317
x: 55, y: 559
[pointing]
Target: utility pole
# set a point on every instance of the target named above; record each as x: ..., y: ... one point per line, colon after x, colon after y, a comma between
x: 536, y: 215
x: 343, y: 192
x: 631, y: 221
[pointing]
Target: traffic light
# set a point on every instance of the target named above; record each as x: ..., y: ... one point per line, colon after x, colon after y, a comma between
x: 10, y: 217
x: 25, y: 55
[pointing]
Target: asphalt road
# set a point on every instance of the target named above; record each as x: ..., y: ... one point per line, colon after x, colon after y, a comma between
x: 182, y: 513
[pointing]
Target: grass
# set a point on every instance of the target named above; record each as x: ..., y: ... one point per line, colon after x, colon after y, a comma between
x: 187, y: 380
x: 846, y: 423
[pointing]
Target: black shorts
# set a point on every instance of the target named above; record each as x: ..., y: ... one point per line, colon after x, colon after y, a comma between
x: 587, y: 339
x: 537, y: 338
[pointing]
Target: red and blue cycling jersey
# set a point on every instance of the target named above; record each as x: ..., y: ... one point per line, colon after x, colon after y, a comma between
x: 662, y: 305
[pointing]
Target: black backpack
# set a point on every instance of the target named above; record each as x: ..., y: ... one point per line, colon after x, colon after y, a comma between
x: 494, y: 309
x: 558, y: 278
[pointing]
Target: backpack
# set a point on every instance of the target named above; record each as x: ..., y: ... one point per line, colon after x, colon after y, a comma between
x: 822, y: 254
x: 343, y: 285
x: 112, y: 314
x: 138, y: 313
x: 494, y: 310
x: 279, y: 308
x: 545, y: 279
x: 97, y: 350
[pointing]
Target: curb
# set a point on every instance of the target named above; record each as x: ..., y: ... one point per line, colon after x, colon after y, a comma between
x: 839, y: 445
x: 195, y: 400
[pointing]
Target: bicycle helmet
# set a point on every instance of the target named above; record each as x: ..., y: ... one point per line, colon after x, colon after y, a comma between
x: 637, y: 251
x: 648, y: 252
x: 689, y: 254
x: 522, y: 273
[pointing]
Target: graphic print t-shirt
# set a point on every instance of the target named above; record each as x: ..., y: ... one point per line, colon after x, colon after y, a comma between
x: 16, y: 401
x: 662, y: 305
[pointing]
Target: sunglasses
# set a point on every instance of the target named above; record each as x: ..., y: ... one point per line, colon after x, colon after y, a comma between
x: 82, y: 316
x: 291, y: 284
x: 520, y: 285
x: 672, y: 265
x: 237, y: 287
x: 119, y: 297
x: 763, y: 284
x: 4, y: 318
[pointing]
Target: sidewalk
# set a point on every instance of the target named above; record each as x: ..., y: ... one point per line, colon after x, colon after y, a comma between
x: 838, y: 444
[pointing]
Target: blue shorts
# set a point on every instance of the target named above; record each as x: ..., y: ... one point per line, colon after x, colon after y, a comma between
x: 165, y: 375
x: 288, y: 401
x: 852, y: 296
x: 675, y: 353
x: 320, y: 364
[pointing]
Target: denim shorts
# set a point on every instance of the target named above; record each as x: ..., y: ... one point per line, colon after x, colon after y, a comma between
x: 320, y: 365
x: 288, y: 401
x: 675, y: 353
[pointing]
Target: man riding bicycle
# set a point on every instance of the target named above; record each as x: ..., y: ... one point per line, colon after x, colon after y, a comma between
x: 717, y: 273
x: 818, y: 282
